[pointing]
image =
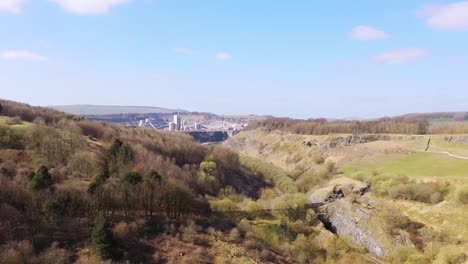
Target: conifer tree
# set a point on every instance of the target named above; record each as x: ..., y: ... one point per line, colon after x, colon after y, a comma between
x: 101, y: 237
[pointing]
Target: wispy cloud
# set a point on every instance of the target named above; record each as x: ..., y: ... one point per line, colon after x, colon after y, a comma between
x: 12, y: 6
x: 453, y: 16
x: 89, y: 7
x: 165, y: 77
x: 367, y: 33
x: 222, y: 56
x: 185, y: 51
x: 400, y: 56
x: 21, y: 55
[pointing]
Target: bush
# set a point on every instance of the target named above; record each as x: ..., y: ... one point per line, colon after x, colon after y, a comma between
x: 14, y: 121
x: 42, y: 179
x: 198, y: 256
x: 7, y: 172
x: 190, y: 232
x: 319, y: 160
x: 401, y: 188
x: 393, y: 219
x: 11, y: 138
x: 401, y: 254
x: 224, y: 205
x: 50, y: 210
x: 418, y: 259
x: 451, y: 254
x: 54, y: 255
x: 235, y: 235
x: 461, y: 194
x: 132, y: 178
x: 15, y: 253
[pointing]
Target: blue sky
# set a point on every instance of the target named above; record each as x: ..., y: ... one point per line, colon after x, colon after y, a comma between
x: 335, y: 58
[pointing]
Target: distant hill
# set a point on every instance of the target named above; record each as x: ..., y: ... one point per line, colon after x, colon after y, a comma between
x: 111, y: 109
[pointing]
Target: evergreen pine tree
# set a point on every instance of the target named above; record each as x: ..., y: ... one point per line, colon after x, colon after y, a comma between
x: 101, y: 237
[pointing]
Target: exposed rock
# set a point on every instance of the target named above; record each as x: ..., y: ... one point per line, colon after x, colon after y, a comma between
x: 337, y: 189
x: 460, y: 139
x: 358, y: 220
x: 342, y: 141
x: 358, y: 223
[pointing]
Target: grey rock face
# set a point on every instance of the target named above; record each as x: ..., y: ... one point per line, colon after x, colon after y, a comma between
x: 356, y: 223
x: 356, y: 219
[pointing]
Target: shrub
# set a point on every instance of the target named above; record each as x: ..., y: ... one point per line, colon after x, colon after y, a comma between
x: 451, y: 254
x: 461, y: 194
x: 223, y: 205
x: 42, y: 179
x: 418, y: 259
x: 402, y: 188
x: 198, y: 256
x: 235, y: 235
x: 15, y: 253
x: 393, y: 219
x: 401, y: 254
x: 14, y: 121
x: 319, y: 160
x: 132, y: 178
x: 253, y: 208
x: 11, y: 138
x: 190, y: 232
x: 54, y: 255
x: 50, y: 210
x: 7, y: 172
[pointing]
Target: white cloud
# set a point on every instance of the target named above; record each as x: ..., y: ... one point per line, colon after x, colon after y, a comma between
x: 12, y: 6
x: 89, y: 7
x: 223, y: 56
x: 185, y: 51
x: 453, y: 16
x: 401, y: 56
x: 367, y: 33
x: 21, y: 55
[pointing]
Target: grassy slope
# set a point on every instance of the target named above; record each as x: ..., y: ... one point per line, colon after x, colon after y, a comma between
x: 4, y: 121
x: 392, y: 158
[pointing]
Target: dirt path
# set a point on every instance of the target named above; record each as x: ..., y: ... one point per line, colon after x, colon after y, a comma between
x: 442, y: 152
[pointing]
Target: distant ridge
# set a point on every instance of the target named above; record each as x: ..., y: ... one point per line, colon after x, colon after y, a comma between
x: 88, y: 110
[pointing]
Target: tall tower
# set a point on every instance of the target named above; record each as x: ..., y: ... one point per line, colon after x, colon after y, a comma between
x: 177, y: 122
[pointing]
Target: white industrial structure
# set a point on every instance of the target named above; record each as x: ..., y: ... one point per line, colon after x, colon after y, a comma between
x: 177, y: 122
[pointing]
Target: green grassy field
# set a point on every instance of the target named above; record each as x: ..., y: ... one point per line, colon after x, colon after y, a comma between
x: 412, y: 165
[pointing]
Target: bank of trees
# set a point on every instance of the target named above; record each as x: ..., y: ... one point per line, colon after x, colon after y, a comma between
x: 324, y: 127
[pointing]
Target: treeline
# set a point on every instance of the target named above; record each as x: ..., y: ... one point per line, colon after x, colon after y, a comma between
x: 324, y: 127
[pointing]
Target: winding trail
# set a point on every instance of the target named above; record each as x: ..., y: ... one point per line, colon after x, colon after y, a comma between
x: 449, y: 154
x: 439, y: 152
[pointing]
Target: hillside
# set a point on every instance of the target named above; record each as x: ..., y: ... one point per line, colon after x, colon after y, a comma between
x: 81, y: 191
x: 75, y: 190
x: 428, y: 183
x: 87, y: 110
